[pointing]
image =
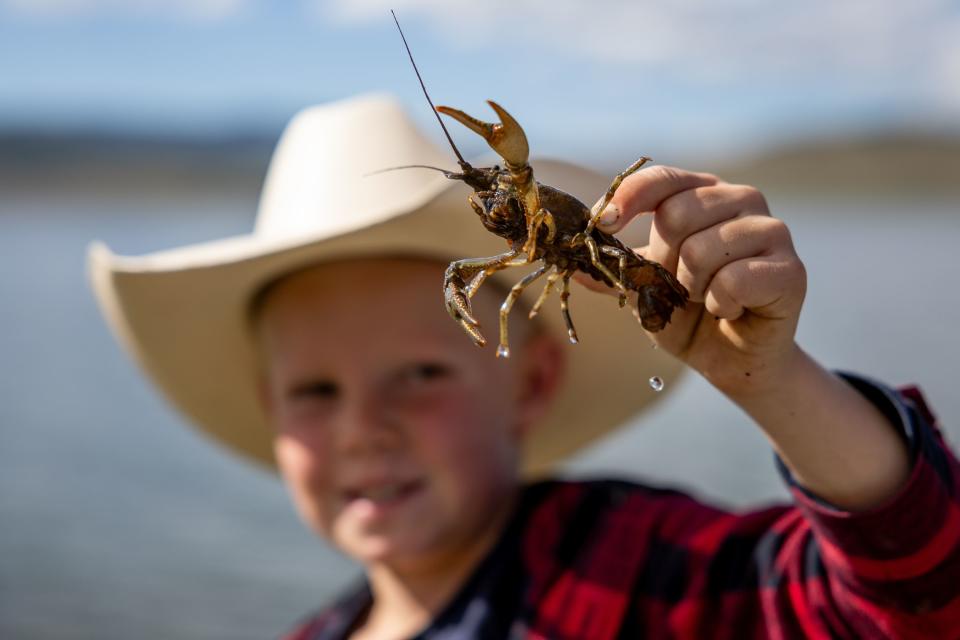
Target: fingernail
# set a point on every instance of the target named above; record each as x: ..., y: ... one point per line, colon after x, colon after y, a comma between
x: 610, y: 215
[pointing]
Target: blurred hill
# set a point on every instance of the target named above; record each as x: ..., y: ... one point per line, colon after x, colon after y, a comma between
x: 110, y: 163
x: 901, y: 163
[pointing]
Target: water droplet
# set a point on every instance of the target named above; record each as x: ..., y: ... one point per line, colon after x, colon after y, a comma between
x: 656, y: 383
x: 503, y: 351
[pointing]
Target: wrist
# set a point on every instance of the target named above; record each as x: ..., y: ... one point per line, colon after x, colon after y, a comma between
x: 762, y: 380
x: 835, y: 442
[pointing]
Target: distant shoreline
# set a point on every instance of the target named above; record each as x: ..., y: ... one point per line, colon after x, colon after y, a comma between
x: 890, y: 164
x: 103, y: 164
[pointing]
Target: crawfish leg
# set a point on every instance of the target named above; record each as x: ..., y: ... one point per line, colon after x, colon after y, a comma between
x: 595, y: 261
x: 478, y: 208
x: 483, y: 274
x: 551, y: 280
x: 621, y: 257
x: 503, y: 351
x: 608, y: 196
x: 542, y: 216
x: 455, y: 293
x: 565, y: 309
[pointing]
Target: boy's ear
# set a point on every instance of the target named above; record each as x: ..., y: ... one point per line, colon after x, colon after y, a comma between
x: 542, y: 371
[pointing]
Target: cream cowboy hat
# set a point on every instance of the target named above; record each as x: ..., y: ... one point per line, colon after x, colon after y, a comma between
x: 182, y: 313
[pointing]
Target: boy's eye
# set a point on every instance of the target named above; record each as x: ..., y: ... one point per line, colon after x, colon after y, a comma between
x: 315, y: 389
x: 427, y: 371
x: 432, y: 370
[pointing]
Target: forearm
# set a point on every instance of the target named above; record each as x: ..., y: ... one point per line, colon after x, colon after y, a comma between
x: 835, y: 442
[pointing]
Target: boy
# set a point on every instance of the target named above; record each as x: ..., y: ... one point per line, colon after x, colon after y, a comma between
x: 407, y: 447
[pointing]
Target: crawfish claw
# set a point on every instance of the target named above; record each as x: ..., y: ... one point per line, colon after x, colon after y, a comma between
x: 506, y: 138
x: 458, y: 306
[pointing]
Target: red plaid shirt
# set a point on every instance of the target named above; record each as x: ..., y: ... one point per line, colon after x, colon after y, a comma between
x: 608, y: 559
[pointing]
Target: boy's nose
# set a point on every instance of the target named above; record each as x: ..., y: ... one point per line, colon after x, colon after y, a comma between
x: 367, y: 425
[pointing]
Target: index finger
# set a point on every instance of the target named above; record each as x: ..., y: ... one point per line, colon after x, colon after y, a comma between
x: 645, y: 190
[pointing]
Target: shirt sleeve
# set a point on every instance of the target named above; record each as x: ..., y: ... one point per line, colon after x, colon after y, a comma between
x: 892, y: 571
x: 812, y: 570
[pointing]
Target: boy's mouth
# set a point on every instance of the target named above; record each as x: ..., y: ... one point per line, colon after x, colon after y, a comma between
x: 381, y: 496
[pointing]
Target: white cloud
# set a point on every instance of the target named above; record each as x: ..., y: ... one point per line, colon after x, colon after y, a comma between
x: 198, y: 10
x: 866, y: 46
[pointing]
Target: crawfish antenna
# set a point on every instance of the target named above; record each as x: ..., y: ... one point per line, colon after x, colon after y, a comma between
x: 424, y: 87
x: 449, y: 174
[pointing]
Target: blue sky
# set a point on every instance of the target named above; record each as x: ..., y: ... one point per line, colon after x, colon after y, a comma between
x: 605, y: 78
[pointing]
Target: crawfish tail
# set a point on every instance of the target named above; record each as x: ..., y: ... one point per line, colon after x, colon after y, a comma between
x: 658, y: 292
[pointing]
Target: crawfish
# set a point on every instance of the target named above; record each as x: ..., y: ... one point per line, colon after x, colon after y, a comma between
x: 543, y: 224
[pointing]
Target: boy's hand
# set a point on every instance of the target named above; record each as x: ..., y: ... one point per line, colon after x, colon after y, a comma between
x: 746, y: 288
x: 745, y: 280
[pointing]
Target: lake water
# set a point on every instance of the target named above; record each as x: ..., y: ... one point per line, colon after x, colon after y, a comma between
x: 116, y: 521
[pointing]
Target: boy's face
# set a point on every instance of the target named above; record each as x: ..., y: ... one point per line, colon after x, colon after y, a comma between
x: 398, y: 438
